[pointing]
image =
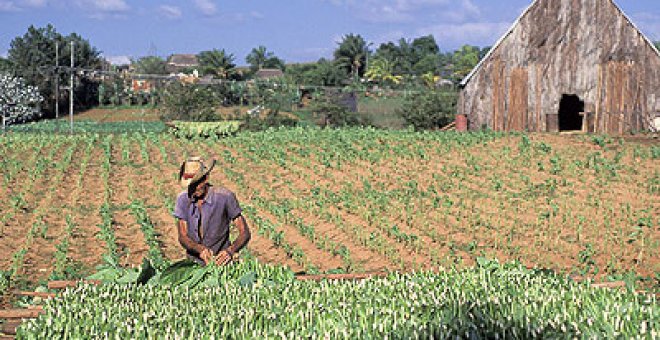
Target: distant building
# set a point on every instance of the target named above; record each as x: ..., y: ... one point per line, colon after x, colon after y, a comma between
x: 178, y: 63
x: 566, y: 65
x: 123, y: 70
x: 268, y: 73
x: 209, y: 80
x: 142, y: 85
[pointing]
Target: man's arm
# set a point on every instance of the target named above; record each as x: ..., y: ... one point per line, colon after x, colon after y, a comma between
x: 188, y: 243
x: 243, y: 238
x: 243, y: 235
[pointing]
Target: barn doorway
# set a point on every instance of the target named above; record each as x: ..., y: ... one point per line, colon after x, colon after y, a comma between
x: 569, y: 112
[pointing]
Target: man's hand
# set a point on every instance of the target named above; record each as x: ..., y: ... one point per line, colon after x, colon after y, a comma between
x: 223, y: 257
x: 206, y: 255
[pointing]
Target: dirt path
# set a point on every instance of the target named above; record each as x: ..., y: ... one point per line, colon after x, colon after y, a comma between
x: 16, y: 230
x: 130, y: 240
x: 85, y: 246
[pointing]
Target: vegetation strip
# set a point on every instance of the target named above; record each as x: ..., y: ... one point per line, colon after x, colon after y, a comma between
x: 253, y: 300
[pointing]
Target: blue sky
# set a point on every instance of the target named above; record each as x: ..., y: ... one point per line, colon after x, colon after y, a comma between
x: 295, y: 30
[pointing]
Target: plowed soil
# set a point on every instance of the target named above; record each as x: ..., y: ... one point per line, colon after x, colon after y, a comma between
x: 563, y: 203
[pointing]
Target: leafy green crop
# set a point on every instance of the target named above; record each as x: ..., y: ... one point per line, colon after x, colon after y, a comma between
x: 187, y: 273
x: 205, y: 129
x: 251, y: 300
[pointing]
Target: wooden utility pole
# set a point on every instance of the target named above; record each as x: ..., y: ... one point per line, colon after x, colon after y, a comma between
x: 71, y: 90
x: 57, y: 80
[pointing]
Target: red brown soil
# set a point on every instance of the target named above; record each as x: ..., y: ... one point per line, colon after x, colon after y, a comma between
x: 507, y: 223
x: 107, y: 115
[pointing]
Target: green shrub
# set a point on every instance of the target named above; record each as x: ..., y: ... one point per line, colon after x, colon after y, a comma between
x: 205, y: 129
x: 189, y: 103
x: 429, y: 109
x: 330, y: 112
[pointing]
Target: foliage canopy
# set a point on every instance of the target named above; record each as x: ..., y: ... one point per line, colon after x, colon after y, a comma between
x: 429, y: 109
x: 32, y: 57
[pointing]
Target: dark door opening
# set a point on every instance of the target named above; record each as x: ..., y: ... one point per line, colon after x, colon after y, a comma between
x: 569, y: 112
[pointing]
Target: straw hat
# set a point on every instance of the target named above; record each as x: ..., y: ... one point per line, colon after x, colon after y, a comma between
x: 192, y: 171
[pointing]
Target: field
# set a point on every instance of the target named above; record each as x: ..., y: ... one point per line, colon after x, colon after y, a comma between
x: 380, y: 112
x: 329, y: 201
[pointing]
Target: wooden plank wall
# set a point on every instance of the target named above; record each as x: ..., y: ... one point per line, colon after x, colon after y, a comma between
x: 538, y: 123
x: 620, y: 105
x: 499, y: 85
x: 518, y: 92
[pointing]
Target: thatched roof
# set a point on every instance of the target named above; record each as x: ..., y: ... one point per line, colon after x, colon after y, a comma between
x: 517, y: 22
x: 183, y: 60
x: 267, y: 73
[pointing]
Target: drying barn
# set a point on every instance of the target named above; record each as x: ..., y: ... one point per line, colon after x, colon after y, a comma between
x: 566, y: 65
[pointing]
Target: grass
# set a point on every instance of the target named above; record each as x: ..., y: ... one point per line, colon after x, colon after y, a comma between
x: 382, y: 112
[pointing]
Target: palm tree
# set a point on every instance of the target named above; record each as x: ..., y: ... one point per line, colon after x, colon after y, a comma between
x: 381, y: 71
x: 150, y: 65
x: 217, y: 62
x: 351, y: 54
x: 258, y: 56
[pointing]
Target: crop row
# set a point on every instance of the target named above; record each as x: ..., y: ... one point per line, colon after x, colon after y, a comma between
x: 489, y: 301
x: 407, y: 197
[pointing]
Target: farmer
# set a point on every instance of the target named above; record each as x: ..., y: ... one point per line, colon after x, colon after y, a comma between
x: 203, y: 214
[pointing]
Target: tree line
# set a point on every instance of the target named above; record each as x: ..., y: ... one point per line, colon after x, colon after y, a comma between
x: 389, y: 64
x: 402, y: 63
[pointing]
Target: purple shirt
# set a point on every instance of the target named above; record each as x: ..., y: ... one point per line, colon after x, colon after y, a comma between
x: 218, y: 210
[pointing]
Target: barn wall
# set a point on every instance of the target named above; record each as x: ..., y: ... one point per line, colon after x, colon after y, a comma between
x: 581, y: 47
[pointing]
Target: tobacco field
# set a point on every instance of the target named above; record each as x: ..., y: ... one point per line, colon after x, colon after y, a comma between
x: 428, y: 207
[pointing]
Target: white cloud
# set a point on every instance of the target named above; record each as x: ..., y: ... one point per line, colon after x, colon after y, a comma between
x: 170, y: 12
x: 4, y: 54
x: 8, y: 6
x: 404, y: 11
x: 207, y: 7
x: 119, y: 59
x: 34, y: 3
x: 101, y: 9
x: 473, y: 33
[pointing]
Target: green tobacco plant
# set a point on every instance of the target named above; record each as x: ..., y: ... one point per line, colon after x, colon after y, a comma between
x: 252, y: 300
x: 212, y: 130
